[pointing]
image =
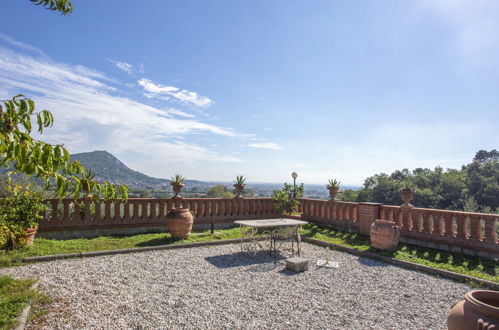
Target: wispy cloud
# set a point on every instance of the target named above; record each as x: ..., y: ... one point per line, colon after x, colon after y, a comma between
x: 183, y: 96
x: 88, y: 114
x: 123, y: 66
x: 266, y: 145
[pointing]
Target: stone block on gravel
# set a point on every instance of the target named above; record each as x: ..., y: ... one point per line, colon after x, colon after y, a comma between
x: 297, y: 264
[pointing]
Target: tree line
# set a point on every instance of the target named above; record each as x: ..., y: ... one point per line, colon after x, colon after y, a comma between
x: 472, y: 188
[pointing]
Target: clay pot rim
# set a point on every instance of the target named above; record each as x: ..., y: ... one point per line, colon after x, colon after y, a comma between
x: 31, y: 229
x: 474, y: 296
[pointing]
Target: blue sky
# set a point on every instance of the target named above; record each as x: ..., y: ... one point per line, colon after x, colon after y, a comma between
x: 212, y: 89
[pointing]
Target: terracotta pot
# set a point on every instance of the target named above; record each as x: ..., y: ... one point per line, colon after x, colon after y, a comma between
x: 177, y: 187
x: 478, y: 310
x: 384, y: 235
x: 333, y: 192
x: 30, y: 235
x: 179, y: 222
x: 406, y: 196
x: 239, y: 189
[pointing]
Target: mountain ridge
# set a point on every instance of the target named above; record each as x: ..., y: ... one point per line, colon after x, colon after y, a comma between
x: 108, y: 167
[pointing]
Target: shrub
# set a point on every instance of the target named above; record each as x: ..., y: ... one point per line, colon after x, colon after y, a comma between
x: 20, y: 209
x: 283, y: 199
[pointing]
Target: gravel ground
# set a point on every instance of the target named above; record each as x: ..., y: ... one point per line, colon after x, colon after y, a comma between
x: 220, y: 287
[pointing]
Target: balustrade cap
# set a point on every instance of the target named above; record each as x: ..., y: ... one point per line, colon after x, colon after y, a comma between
x: 370, y: 203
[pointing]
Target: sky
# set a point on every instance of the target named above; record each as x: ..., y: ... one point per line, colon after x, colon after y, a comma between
x: 213, y: 89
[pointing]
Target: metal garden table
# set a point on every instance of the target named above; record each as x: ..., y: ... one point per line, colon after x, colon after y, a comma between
x: 275, y: 233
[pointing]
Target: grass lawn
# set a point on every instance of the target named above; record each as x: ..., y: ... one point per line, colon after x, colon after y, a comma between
x: 473, y: 266
x: 42, y: 247
x: 14, y: 296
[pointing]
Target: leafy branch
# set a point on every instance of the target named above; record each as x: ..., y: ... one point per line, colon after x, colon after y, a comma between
x: 44, y: 160
x: 62, y: 6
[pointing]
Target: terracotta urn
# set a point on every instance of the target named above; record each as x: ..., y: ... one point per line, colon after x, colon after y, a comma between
x: 177, y: 187
x: 179, y: 222
x: 333, y: 192
x: 239, y: 189
x: 30, y: 235
x: 406, y: 196
x: 478, y: 310
x: 384, y: 235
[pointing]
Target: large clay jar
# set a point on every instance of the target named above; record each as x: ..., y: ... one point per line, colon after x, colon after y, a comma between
x: 239, y: 189
x: 179, y: 222
x: 479, y: 310
x: 30, y: 235
x: 384, y: 234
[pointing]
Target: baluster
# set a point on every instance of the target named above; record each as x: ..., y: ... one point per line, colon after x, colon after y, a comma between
x: 77, y: 211
x: 416, y: 220
x: 107, y: 210
x: 427, y: 222
x: 490, y: 229
x: 439, y: 226
x: 65, y: 209
x: 117, y: 210
x: 97, y: 216
x: 476, y: 235
x: 462, y: 228
x: 54, y: 203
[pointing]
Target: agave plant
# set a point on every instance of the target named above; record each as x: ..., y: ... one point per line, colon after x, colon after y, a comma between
x: 407, y: 186
x: 177, y: 179
x: 333, y: 184
x: 87, y: 181
x: 240, y: 180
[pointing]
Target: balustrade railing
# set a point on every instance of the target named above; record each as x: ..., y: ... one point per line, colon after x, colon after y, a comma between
x: 89, y: 213
x: 344, y: 214
x: 420, y: 223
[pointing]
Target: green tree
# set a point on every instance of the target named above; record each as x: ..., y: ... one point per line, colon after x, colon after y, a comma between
x: 219, y: 191
x: 62, y: 6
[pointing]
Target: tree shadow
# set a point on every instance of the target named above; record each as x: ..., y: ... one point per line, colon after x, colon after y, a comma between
x: 371, y: 262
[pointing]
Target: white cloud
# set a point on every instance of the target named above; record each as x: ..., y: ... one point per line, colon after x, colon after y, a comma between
x: 88, y: 116
x: 123, y: 66
x: 266, y: 145
x: 183, y: 96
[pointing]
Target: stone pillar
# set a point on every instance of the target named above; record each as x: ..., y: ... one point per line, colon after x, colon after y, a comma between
x: 407, y: 216
x: 368, y: 213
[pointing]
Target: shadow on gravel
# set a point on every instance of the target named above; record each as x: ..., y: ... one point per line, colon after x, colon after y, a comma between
x: 240, y: 259
x: 371, y: 262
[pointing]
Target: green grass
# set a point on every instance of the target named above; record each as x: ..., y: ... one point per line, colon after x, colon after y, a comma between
x: 473, y: 266
x: 42, y: 247
x: 14, y: 295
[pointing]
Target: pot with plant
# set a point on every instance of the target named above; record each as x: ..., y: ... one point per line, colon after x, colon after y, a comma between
x: 406, y: 192
x: 334, y: 187
x: 177, y: 184
x: 239, y: 185
x: 20, y: 212
x: 87, y: 182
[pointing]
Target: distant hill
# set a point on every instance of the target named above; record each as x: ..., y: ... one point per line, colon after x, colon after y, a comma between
x: 109, y: 168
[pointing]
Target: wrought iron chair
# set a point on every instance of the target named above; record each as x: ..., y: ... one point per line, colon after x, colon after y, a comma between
x: 285, y: 238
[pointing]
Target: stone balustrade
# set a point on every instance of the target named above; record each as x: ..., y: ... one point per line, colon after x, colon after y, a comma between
x: 471, y: 233
x: 66, y: 214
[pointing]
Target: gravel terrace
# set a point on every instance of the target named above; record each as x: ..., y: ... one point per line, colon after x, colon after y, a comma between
x: 220, y: 287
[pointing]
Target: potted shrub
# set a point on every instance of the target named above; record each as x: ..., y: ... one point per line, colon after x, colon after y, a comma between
x: 177, y: 184
x: 239, y: 185
x: 20, y: 212
x: 334, y: 187
x: 406, y: 192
